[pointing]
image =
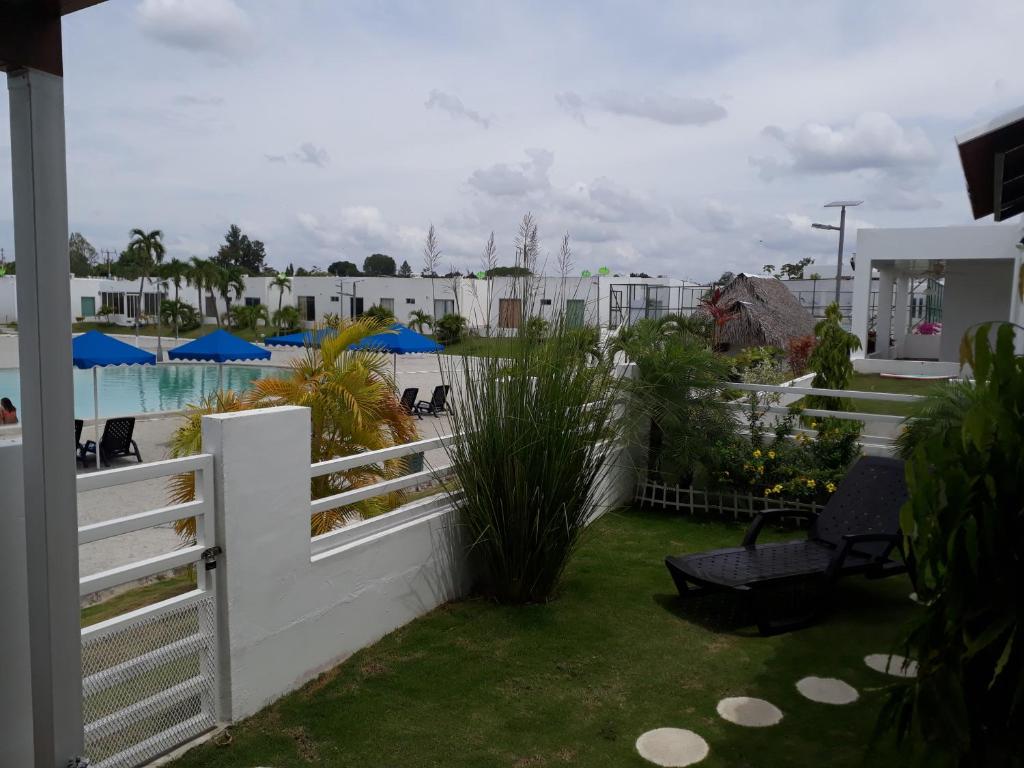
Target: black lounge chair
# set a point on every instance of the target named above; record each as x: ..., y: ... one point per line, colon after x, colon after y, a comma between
x: 115, y: 441
x: 437, y: 403
x: 855, y: 534
x: 408, y: 401
x: 78, y: 439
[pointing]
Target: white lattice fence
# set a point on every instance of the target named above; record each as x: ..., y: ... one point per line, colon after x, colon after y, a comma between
x: 733, y: 504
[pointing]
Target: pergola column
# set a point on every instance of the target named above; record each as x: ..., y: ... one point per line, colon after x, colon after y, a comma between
x: 47, y: 411
x: 883, y: 321
x: 901, y: 312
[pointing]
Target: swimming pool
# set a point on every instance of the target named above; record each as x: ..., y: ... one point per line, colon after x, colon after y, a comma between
x: 127, y: 390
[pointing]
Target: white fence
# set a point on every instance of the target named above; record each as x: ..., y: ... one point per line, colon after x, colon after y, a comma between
x: 871, y: 444
x: 149, y: 676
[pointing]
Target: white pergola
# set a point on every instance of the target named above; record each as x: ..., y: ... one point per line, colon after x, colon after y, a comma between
x: 41, y: 695
x: 977, y: 265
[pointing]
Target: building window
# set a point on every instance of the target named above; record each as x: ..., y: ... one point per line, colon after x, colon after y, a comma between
x: 410, y: 301
x: 88, y: 306
x: 211, y: 306
x: 388, y: 304
x: 307, y: 308
x: 113, y: 301
x: 510, y: 313
x: 149, y: 304
x: 545, y: 302
x: 334, y: 298
x: 252, y: 301
x: 443, y: 307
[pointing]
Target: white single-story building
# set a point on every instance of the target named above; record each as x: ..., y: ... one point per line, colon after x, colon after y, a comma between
x: 976, y: 266
x: 493, y: 305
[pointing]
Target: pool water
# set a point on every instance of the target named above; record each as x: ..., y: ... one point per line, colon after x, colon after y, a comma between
x: 127, y: 390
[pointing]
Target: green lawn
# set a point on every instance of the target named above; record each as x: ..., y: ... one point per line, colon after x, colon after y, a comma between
x: 480, y: 346
x: 576, y: 681
x: 872, y: 382
x: 168, y: 331
x: 163, y: 588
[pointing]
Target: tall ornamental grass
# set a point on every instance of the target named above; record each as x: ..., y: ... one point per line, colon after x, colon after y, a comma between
x: 538, y: 430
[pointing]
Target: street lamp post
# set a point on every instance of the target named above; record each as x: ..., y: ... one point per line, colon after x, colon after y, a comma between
x: 842, y: 205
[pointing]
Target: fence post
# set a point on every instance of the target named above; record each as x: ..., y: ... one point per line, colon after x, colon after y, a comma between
x: 262, y: 492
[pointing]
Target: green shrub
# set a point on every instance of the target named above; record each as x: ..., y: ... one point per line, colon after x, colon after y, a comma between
x: 450, y: 329
x: 965, y: 527
x: 529, y: 465
x: 753, y: 356
x: 830, y: 359
x: 377, y: 312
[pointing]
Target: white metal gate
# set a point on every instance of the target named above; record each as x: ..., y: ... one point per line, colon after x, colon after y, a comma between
x: 149, y: 677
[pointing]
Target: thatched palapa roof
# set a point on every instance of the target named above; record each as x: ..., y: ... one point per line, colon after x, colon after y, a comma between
x: 767, y: 314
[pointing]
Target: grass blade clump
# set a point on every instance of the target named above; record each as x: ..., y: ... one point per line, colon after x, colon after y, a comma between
x: 538, y: 427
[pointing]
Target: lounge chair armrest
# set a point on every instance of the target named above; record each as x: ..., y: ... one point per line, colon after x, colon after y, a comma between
x: 750, y: 537
x: 852, y: 539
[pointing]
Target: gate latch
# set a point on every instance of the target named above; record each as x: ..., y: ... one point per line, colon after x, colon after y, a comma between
x: 210, y: 557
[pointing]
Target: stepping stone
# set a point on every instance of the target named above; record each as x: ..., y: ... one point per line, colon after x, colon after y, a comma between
x: 827, y: 690
x: 672, y: 747
x: 752, y: 713
x: 894, y: 665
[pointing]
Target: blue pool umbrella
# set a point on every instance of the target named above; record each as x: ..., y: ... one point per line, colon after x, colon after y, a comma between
x: 219, y: 347
x: 97, y: 350
x: 301, y: 339
x: 398, y: 340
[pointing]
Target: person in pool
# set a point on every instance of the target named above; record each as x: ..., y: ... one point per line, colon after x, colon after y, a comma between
x: 8, y: 413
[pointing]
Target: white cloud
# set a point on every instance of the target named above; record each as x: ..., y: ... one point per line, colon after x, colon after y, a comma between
x: 453, y: 105
x: 873, y: 141
x: 659, y: 107
x: 218, y: 27
x: 515, y: 180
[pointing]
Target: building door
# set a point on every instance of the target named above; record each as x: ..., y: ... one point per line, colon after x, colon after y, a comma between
x: 88, y: 306
x: 574, y: 313
x: 355, y: 306
x: 510, y: 313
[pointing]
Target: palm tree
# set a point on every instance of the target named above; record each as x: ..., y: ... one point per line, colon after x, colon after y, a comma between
x: 231, y: 279
x: 354, y: 409
x: 196, y: 275
x: 287, y: 317
x: 283, y: 283
x: 418, y: 318
x: 150, y: 245
x: 176, y: 272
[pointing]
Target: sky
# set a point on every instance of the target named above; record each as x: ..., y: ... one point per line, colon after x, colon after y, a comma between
x: 679, y: 139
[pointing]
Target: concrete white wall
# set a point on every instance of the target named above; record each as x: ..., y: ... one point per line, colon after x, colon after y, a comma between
x: 8, y: 299
x: 15, y: 690
x: 288, y: 616
x: 975, y: 292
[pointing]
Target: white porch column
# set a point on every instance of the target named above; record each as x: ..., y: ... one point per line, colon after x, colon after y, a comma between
x: 861, y: 304
x: 47, y: 410
x: 16, y: 688
x: 883, y: 323
x: 901, y: 313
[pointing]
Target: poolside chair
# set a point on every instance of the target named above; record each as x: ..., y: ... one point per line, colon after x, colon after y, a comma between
x: 408, y: 401
x: 115, y: 441
x: 78, y: 439
x: 855, y: 534
x: 437, y: 403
